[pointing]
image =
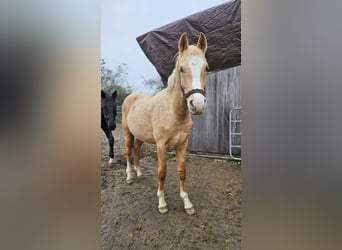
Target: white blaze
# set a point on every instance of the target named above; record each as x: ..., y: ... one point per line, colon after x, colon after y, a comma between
x: 196, y: 65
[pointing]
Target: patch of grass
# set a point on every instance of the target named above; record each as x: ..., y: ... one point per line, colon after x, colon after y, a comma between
x: 189, y: 158
x: 170, y: 157
x: 149, y: 150
x: 235, y: 164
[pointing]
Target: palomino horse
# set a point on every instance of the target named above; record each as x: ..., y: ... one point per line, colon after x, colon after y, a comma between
x: 108, y: 115
x: 165, y: 118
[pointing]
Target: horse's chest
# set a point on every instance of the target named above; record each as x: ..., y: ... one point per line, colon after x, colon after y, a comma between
x: 179, y: 134
x: 179, y: 138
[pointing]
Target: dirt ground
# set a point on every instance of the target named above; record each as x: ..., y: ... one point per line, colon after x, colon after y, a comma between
x: 129, y: 212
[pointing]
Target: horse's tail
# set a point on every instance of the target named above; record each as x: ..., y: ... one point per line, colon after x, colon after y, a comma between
x: 126, y: 106
x: 124, y: 111
x: 129, y: 137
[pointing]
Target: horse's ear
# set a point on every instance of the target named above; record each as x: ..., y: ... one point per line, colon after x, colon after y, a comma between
x: 103, y: 94
x: 202, y: 42
x: 183, y: 43
x: 114, y: 94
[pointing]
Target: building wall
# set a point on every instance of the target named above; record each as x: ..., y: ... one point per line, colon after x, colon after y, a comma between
x: 211, y: 130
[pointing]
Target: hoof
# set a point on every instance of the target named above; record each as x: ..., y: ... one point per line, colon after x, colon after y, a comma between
x: 163, y: 210
x: 111, y: 161
x: 190, y: 211
x: 138, y: 171
x: 129, y: 178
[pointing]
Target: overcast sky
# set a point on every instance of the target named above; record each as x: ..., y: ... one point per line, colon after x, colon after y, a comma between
x: 122, y: 21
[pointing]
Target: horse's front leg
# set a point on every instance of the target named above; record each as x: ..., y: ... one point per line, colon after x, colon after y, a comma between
x: 111, y: 148
x: 161, y: 151
x: 180, y: 157
x: 110, y: 138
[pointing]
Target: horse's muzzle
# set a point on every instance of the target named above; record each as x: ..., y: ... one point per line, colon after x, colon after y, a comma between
x: 197, y: 105
x: 112, y: 125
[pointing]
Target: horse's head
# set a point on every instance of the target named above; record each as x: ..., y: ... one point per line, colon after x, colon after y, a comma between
x: 192, y: 66
x: 108, y: 109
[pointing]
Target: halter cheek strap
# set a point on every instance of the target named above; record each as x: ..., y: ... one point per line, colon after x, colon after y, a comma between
x: 191, y: 92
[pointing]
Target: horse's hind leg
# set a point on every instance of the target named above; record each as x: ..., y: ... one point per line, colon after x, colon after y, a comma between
x: 180, y: 158
x: 137, y: 146
x: 129, y: 139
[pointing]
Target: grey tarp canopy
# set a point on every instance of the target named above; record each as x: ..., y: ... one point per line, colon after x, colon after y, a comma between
x: 221, y: 25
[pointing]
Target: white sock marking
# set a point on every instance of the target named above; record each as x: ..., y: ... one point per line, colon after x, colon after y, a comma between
x: 137, y: 169
x: 161, y: 198
x: 186, y: 200
x: 129, y: 171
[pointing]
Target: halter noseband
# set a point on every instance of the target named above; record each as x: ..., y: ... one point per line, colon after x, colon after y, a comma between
x: 193, y: 91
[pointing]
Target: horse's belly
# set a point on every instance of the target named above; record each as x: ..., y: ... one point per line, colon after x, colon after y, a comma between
x: 140, y: 127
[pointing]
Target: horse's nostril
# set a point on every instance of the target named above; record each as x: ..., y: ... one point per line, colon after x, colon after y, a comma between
x: 192, y: 103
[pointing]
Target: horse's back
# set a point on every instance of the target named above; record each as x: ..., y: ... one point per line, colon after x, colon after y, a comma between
x: 132, y: 99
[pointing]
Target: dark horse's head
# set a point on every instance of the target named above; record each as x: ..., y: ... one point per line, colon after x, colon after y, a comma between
x: 108, y: 110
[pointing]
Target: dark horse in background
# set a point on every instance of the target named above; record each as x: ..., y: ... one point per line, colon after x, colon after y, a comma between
x: 108, y: 116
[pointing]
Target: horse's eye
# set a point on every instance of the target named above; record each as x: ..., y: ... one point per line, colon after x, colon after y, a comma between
x: 181, y: 70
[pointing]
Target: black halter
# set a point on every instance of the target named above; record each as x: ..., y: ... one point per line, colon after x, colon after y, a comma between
x: 193, y: 91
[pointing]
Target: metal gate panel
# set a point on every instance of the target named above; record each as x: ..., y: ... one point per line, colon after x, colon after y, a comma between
x: 234, y: 123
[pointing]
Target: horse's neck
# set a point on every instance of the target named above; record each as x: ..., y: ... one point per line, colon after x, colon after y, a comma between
x: 177, y: 100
